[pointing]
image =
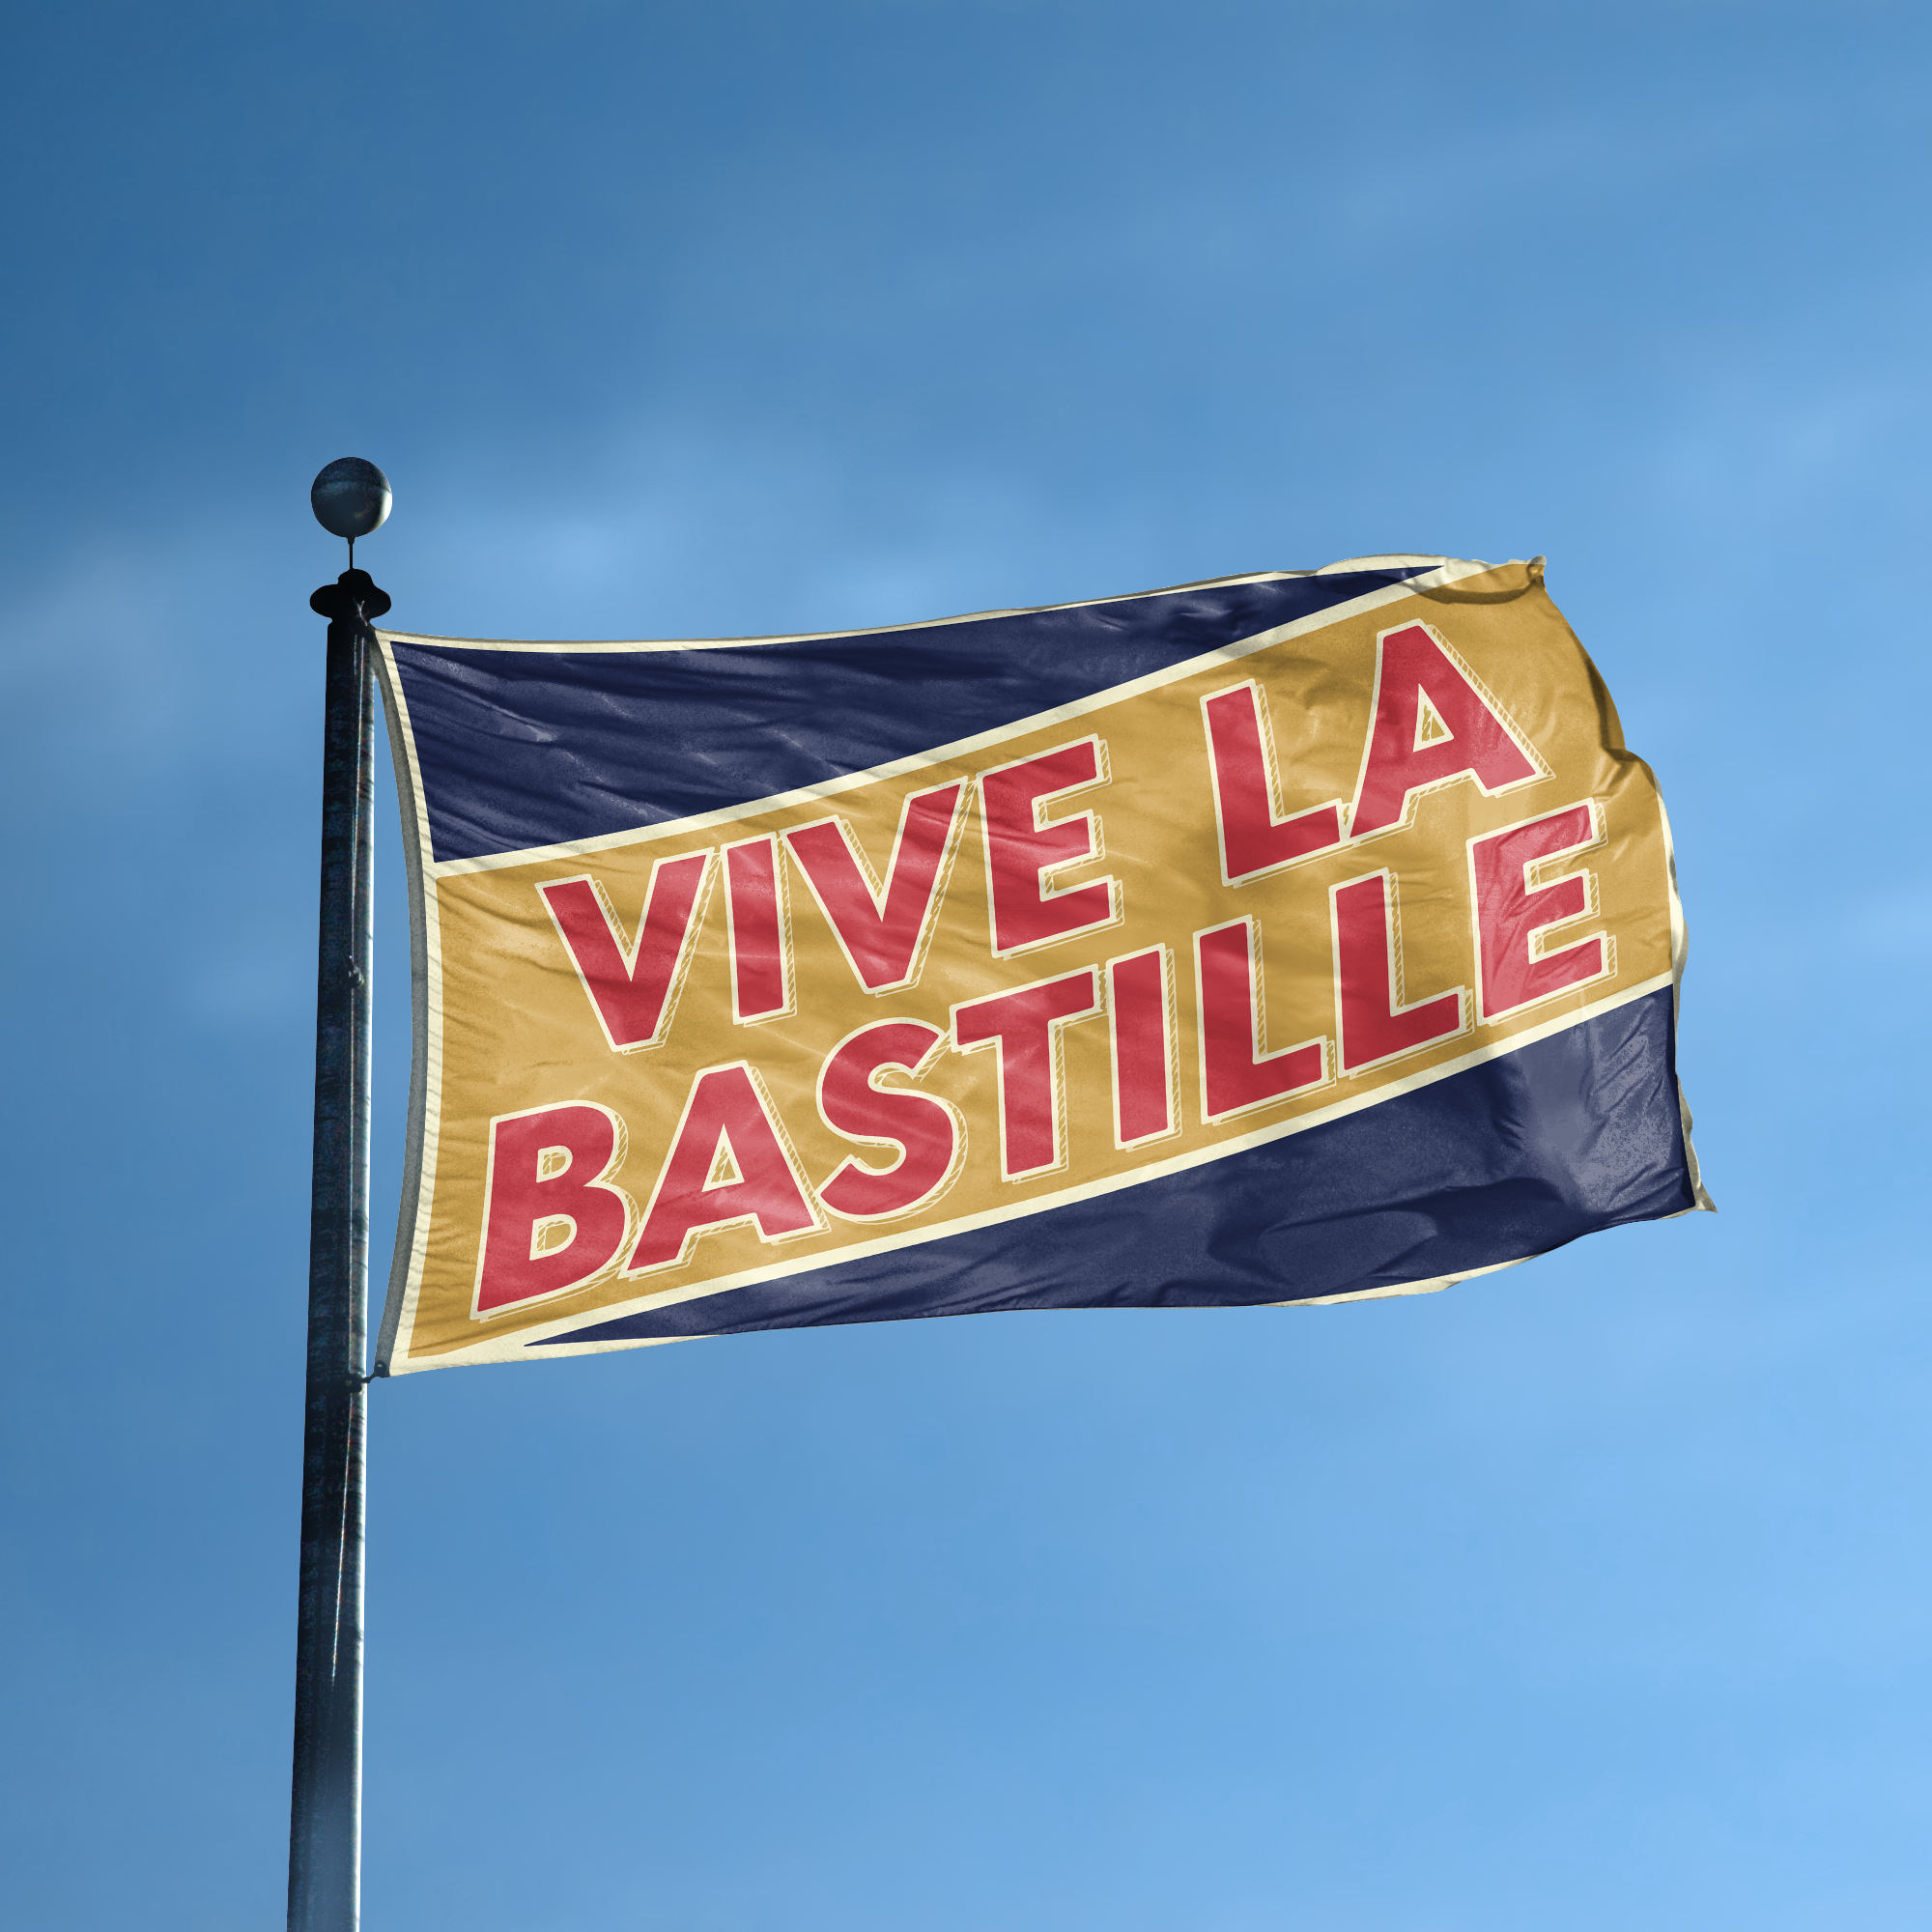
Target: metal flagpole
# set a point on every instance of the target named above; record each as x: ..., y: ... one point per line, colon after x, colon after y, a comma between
x: 351, y: 498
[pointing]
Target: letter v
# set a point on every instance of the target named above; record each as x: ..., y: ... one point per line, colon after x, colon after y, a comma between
x: 884, y: 931
x: 633, y: 984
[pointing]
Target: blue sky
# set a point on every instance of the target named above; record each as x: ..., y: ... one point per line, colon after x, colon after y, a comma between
x: 1594, y: 1594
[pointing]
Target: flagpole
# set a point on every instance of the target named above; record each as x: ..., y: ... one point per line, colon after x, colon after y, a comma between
x: 326, y: 1807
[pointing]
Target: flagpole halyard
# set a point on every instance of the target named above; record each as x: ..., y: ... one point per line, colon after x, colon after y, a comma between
x: 326, y: 1807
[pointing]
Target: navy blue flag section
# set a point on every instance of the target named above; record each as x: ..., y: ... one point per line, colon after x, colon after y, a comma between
x: 1287, y: 938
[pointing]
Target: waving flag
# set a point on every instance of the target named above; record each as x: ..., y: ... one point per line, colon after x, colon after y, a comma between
x: 1285, y: 938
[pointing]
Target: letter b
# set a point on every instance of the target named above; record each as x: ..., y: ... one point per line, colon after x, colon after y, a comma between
x: 551, y: 1220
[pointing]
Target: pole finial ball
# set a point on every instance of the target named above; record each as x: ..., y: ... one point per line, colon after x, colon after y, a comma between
x: 350, y: 498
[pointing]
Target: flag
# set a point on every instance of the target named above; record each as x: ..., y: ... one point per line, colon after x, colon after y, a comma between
x: 1289, y: 938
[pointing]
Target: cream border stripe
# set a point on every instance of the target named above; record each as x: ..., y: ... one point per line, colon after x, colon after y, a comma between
x: 413, y: 1214
x: 1346, y: 567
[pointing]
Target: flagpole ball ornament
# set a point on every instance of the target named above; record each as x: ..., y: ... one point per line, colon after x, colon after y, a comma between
x: 350, y: 497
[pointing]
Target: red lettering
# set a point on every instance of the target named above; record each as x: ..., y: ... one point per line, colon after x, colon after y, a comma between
x: 761, y: 928
x: 551, y: 1220
x: 633, y: 984
x: 1140, y: 1018
x: 1237, y: 1071
x: 1024, y: 1027
x: 1256, y: 838
x: 927, y: 1131
x: 1433, y: 724
x: 1372, y: 1022
x: 1023, y: 848
x: 1516, y: 965
x: 729, y: 1163
x: 884, y: 931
